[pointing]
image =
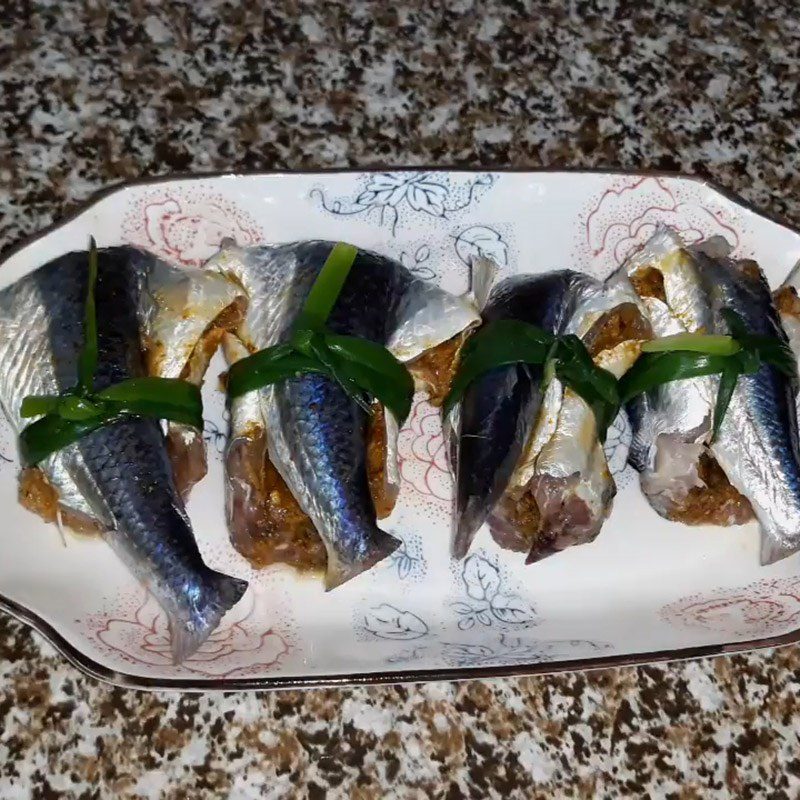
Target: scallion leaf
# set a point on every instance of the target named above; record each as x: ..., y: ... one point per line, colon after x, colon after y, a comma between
x: 711, y: 344
x: 327, y: 287
x: 52, y: 433
x: 34, y: 405
x: 268, y: 366
x: 376, y: 371
x: 652, y: 370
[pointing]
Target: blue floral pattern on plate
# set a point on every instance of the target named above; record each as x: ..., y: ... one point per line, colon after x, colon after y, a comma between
x: 386, y: 197
x: 386, y: 621
x: 408, y: 560
x: 487, y: 601
x: 508, y: 649
x: 481, y: 240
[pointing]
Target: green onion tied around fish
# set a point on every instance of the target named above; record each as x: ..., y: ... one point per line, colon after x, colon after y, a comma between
x: 510, y: 341
x: 693, y: 355
x: 712, y: 401
x: 68, y: 416
x: 361, y: 367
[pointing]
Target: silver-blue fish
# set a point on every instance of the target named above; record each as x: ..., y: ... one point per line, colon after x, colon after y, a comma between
x: 495, y: 418
x: 317, y: 434
x: 118, y: 478
x: 672, y: 422
x: 757, y: 445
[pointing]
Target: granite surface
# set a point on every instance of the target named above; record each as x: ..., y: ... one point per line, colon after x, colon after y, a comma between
x: 93, y: 93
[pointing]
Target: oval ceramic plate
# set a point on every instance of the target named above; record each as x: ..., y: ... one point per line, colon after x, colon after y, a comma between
x: 645, y: 590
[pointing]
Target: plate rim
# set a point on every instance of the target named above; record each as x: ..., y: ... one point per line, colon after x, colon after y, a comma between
x: 94, y: 669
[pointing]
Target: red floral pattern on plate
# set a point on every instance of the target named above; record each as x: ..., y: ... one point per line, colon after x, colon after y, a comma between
x: 626, y: 215
x: 240, y: 646
x: 187, y: 228
x: 421, y: 453
x: 764, y: 608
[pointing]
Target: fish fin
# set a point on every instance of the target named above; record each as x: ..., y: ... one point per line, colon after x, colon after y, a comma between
x: 382, y: 545
x: 715, y: 247
x: 187, y: 635
x: 429, y: 316
x: 481, y: 276
x: 391, y: 461
x: 772, y: 551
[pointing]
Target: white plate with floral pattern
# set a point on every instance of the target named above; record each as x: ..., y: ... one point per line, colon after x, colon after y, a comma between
x: 646, y: 589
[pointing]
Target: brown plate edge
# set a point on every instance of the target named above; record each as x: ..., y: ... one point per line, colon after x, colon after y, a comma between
x: 95, y: 670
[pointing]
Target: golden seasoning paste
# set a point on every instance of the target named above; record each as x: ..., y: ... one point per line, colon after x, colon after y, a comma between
x: 435, y: 369
x: 624, y: 323
x: 266, y: 522
x: 717, y: 502
x: 787, y: 301
x: 649, y: 282
x: 517, y: 520
x: 37, y: 495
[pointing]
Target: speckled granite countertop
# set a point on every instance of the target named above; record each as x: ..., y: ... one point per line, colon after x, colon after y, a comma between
x: 97, y: 92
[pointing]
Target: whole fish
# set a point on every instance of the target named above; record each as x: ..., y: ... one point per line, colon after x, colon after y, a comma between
x: 757, y: 445
x: 317, y: 459
x: 527, y: 456
x: 118, y: 478
x: 672, y: 423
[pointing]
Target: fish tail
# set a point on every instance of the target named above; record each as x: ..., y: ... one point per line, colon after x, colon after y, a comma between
x: 219, y: 594
x: 381, y: 545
